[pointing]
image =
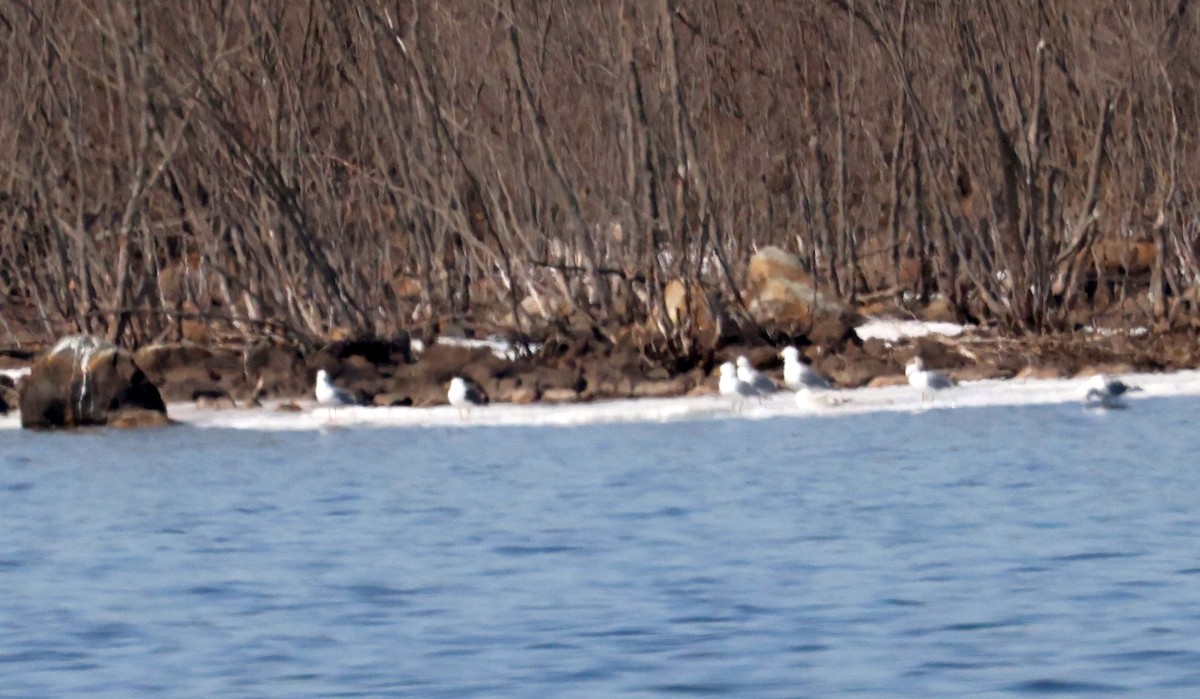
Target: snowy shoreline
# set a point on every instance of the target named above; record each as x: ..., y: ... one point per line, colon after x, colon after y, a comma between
x: 973, y: 394
x: 856, y: 401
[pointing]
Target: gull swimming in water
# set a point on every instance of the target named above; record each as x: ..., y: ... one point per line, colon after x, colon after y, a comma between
x: 758, y: 381
x: 731, y: 386
x: 799, y: 375
x: 329, y: 394
x: 1107, y: 393
x: 925, y: 380
x: 464, y: 396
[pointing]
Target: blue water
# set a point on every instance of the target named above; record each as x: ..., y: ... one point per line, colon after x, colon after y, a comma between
x: 1030, y: 551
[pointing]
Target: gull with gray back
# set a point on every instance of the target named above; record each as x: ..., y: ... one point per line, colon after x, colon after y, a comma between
x: 732, y: 386
x: 927, y: 381
x: 329, y: 394
x: 797, y: 374
x: 758, y: 381
x: 1106, y: 392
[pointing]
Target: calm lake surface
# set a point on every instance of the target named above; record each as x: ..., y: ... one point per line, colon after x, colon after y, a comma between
x: 1033, y: 551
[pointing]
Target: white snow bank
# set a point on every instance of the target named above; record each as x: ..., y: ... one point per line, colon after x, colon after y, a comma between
x: 892, y: 329
x: 499, y: 347
x: 856, y: 401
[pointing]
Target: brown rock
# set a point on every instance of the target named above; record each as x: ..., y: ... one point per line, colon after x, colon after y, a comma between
x: 560, y: 395
x: 663, y: 389
x: 523, y: 395
x: 154, y: 359
x: 939, y: 310
x: 888, y: 380
x: 610, y: 383
x: 545, y: 306
x: 440, y: 363
x: 1041, y: 372
x: 184, y: 371
x: 390, y: 399
x: 289, y: 407
x: 690, y: 304
x: 80, y: 381
x: 280, y: 368
x: 133, y: 418
x: 780, y: 294
x: 980, y: 372
x: 875, y: 308
x: 858, y: 372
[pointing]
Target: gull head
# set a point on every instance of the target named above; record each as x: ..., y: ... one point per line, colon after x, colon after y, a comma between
x: 728, y: 370
x: 322, y: 376
x: 743, y: 363
x: 914, y: 366
x: 1098, y: 383
x: 457, y: 385
x: 790, y: 354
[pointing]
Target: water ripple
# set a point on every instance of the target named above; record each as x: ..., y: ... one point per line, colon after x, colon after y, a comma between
x: 775, y: 558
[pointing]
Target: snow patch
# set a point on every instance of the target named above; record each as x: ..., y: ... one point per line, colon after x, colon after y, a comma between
x: 892, y: 330
x: 990, y: 393
x: 499, y: 347
x: 1137, y: 331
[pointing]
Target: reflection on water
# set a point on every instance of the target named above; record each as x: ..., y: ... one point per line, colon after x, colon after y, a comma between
x: 1006, y: 551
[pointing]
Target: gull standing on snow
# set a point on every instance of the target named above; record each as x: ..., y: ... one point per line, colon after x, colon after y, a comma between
x: 758, y: 381
x: 925, y: 380
x: 731, y: 386
x: 1107, y: 393
x: 329, y: 394
x: 464, y: 396
x: 799, y: 375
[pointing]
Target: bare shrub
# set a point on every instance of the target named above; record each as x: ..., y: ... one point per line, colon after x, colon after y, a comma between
x: 308, y: 169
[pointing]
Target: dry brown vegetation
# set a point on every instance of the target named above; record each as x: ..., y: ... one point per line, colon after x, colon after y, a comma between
x: 295, y: 167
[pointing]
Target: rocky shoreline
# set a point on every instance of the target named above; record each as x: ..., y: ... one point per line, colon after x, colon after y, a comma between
x: 574, y: 362
x: 415, y: 372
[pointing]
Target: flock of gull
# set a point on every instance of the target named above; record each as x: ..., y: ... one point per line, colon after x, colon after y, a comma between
x: 740, y: 382
x: 461, y: 395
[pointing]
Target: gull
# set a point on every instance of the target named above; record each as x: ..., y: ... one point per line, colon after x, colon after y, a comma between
x: 761, y: 383
x: 799, y: 375
x: 926, y: 381
x: 463, y: 396
x: 1106, y: 393
x: 807, y: 398
x: 731, y: 386
x: 330, y: 395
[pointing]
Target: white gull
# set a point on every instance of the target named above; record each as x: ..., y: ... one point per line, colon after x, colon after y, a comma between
x: 925, y: 380
x: 731, y: 386
x: 798, y: 375
x: 464, y: 396
x: 758, y: 381
x: 329, y: 394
